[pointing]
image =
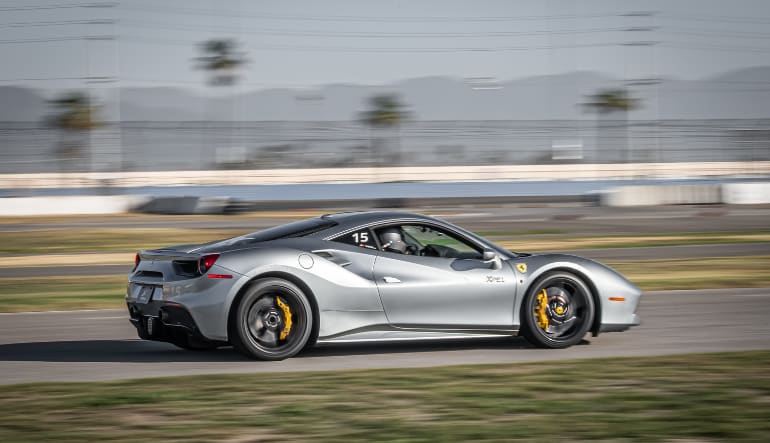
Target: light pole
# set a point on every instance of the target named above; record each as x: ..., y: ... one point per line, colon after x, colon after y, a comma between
x: 652, y: 80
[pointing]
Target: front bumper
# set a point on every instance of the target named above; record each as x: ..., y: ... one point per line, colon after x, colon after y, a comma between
x: 612, y: 327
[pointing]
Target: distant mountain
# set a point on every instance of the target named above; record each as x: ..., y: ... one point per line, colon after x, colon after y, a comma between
x: 160, y: 104
x: 737, y: 94
x: 743, y: 93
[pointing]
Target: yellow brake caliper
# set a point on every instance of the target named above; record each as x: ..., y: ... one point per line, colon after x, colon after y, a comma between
x: 542, y: 317
x: 287, y: 318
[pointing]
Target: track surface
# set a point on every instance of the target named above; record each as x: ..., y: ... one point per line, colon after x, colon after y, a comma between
x: 101, y: 345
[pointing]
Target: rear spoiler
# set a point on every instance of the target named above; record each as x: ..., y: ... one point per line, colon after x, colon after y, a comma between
x: 168, y: 255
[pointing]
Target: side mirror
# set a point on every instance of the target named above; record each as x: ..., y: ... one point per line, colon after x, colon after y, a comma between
x: 488, y: 255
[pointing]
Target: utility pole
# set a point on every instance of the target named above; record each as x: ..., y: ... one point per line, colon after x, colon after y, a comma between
x: 91, y: 80
x: 645, y: 80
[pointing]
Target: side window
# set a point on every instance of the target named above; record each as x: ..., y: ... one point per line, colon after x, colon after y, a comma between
x: 436, y: 240
x: 426, y: 241
x: 362, y: 238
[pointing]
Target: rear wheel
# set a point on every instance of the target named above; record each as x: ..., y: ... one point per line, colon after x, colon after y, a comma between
x: 558, y: 311
x: 273, y: 320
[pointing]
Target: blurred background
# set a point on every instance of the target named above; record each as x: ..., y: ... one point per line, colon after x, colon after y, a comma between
x: 636, y: 133
x: 200, y: 85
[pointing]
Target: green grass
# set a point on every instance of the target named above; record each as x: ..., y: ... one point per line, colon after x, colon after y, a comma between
x: 132, y: 239
x: 105, y: 239
x: 521, y: 232
x: 66, y: 293
x: 713, y: 238
x: 62, y: 293
x: 567, y: 242
x: 700, y: 397
x: 697, y: 273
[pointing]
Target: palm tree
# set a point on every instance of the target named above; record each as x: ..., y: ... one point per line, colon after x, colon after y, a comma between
x: 75, y: 116
x: 386, y: 112
x: 611, y: 100
x: 220, y: 60
x: 612, y: 135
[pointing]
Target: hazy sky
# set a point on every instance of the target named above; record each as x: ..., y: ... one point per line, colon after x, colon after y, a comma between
x: 306, y: 43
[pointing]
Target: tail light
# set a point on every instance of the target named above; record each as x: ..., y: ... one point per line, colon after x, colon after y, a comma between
x: 137, y: 259
x: 206, y: 262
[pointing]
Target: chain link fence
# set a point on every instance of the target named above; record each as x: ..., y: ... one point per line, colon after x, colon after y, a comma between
x: 175, y: 146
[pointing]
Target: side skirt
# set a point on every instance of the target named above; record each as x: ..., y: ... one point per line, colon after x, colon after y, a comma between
x: 388, y: 332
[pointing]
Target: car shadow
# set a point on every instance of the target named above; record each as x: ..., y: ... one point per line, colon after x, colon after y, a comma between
x: 141, y: 351
x: 104, y: 351
x: 405, y: 347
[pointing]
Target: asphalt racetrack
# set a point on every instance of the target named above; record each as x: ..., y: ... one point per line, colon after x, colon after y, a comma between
x: 102, y: 345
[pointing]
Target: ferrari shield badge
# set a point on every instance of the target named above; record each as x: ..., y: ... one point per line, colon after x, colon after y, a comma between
x: 522, y: 267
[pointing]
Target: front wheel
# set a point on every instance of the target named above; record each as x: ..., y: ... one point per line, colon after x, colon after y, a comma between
x: 558, y: 311
x: 273, y: 320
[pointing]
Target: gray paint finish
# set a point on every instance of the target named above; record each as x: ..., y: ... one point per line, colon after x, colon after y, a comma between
x: 423, y: 296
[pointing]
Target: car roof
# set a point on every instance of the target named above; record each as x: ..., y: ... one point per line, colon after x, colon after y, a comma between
x: 368, y: 216
x: 346, y: 220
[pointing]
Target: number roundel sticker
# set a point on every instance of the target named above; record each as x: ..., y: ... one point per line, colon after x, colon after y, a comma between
x: 361, y: 237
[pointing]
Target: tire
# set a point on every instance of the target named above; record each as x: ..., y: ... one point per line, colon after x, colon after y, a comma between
x: 259, y: 327
x: 569, y: 310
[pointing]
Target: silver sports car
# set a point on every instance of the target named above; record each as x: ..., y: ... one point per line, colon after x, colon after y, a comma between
x: 368, y: 276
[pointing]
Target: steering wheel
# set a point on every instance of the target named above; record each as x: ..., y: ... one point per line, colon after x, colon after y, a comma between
x: 429, y: 251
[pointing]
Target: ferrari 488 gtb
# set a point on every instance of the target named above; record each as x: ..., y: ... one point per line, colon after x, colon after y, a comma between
x: 368, y: 276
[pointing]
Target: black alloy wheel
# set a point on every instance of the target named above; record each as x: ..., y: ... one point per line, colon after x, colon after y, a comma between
x: 558, y: 311
x: 273, y: 320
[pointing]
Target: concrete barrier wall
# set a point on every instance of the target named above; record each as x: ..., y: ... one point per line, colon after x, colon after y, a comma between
x: 184, y: 205
x: 730, y: 193
x: 623, y: 196
x: 342, y: 175
x: 746, y: 193
x: 662, y: 195
x: 114, y: 204
x: 68, y: 205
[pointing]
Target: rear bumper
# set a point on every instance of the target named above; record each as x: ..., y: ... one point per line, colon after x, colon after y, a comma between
x: 169, y: 322
x: 204, y: 298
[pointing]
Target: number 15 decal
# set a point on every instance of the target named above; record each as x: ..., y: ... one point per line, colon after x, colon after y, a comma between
x: 361, y: 237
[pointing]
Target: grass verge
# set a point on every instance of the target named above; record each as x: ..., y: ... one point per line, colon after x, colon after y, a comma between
x: 62, y: 293
x: 58, y: 241
x: 699, y: 397
x: 564, y: 242
x: 105, y: 239
x: 51, y: 293
x: 697, y: 273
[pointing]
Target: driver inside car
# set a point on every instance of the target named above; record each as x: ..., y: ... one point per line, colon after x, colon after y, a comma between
x: 392, y: 241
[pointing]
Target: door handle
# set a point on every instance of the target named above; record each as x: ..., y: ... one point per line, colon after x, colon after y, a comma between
x: 391, y: 280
